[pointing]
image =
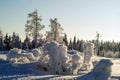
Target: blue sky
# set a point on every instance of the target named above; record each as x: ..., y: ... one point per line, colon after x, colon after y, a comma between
x: 82, y: 18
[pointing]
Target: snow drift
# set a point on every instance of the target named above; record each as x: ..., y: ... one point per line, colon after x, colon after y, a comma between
x: 102, y: 70
x: 21, y: 56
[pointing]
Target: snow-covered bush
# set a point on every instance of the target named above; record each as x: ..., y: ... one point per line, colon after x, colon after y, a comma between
x: 111, y: 54
x: 21, y: 56
x: 36, y: 52
x: 102, y: 70
x: 14, y: 53
x: 56, y: 59
x: 30, y: 56
x: 88, y: 55
x: 76, y: 59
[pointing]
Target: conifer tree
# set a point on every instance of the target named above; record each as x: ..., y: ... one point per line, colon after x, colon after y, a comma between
x: 74, y: 43
x: 16, y: 42
x: 27, y: 43
x: 7, y: 42
x: 70, y: 47
x: 1, y: 41
x: 65, y: 40
x: 1, y: 44
x: 33, y: 27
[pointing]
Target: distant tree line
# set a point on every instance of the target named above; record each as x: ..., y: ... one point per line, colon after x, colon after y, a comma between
x: 102, y: 48
x: 8, y: 42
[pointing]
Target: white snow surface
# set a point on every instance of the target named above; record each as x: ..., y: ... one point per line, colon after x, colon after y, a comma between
x: 47, y: 62
x: 102, y: 70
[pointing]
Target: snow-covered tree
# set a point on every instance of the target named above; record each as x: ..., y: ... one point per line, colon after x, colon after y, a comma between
x: 97, y: 44
x: 1, y: 44
x: 70, y: 47
x: 7, y: 42
x: 88, y: 55
x: 33, y: 26
x: 65, y: 40
x: 80, y: 44
x: 56, y: 59
x: 16, y: 42
x: 1, y: 41
x: 27, y: 43
x: 56, y: 31
x: 1, y: 33
x: 74, y: 43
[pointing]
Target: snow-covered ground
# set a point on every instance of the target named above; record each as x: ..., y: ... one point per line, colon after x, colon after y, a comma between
x: 28, y: 71
x: 46, y: 63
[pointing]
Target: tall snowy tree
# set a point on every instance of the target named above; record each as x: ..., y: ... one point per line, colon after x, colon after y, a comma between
x: 33, y: 26
x: 56, y: 31
x: 97, y: 44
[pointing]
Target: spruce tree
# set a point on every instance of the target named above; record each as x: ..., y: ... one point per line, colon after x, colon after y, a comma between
x: 27, y: 43
x: 1, y: 44
x: 7, y: 42
x: 1, y: 41
x: 65, y: 40
x: 70, y: 47
x: 16, y: 42
x: 74, y: 43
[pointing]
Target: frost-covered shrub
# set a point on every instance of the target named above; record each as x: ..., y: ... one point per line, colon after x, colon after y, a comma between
x: 21, y: 56
x: 102, y: 70
x: 19, y: 60
x: 88, y: 55
x: 111, y: 54
x: 36, y: 52
x: 14, y: 53
x: 56, y: 59
x: 76, y: 59
x: 30, y: 56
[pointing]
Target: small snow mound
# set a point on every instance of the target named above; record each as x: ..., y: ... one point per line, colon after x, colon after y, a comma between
x: 16, y: 50
x: 21, y: 56
x: 102, y: 70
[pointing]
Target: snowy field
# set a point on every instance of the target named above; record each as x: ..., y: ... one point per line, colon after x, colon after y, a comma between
x: 25, y: 71
x: 53, y: 59
x: 28, y: 71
